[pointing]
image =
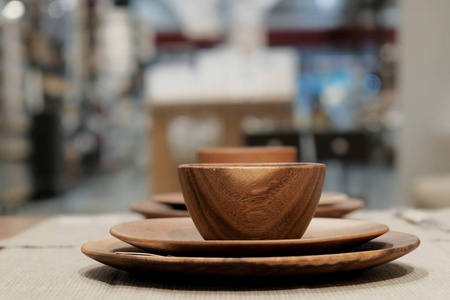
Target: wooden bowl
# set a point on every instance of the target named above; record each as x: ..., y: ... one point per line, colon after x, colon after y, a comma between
x: 247, y: 155
x: 251, y: 201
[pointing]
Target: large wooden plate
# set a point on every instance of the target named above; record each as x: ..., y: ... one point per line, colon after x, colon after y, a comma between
x: 381, y: 250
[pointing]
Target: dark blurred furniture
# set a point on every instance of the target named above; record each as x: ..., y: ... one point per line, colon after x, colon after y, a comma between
x: 286, y: 137
x: 346, y: 147
x: 47, y: 158
x: 15, y: 151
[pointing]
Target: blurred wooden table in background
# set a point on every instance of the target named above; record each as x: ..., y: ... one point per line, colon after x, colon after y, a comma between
x: 230, y: 114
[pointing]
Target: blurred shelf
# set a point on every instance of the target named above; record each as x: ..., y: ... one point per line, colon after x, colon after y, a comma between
x: 340, y: 36
x: 11, y: 125
x: 14, y: 149
x: 223, y: 105
x: 15, y: 195
x: 333, y: 36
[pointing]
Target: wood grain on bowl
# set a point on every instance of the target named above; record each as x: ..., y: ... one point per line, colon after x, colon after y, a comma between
x: 251, y: 201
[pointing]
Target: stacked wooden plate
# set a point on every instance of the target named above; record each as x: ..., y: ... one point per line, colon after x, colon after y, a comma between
x: 331, y: 205
x: 173, y: 245
x: 170, y: 242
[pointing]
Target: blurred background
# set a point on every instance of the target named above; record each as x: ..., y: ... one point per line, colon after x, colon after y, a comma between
x: 101, y: 99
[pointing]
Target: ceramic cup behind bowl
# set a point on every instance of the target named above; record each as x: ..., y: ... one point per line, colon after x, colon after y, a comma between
x: 252, y: 201
x: 247, y: 154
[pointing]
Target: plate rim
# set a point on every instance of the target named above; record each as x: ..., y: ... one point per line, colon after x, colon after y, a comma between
x: 213, y: 245
x: 159, y: 210
x: 365, y: 258
x: 336, y: 210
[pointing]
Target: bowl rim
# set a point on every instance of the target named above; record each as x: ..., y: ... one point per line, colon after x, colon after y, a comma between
x: 242, y: 150
x: 287, y: 165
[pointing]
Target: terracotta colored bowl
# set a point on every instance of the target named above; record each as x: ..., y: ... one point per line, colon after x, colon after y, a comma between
x: 247, y: 155
x: 251, y: 201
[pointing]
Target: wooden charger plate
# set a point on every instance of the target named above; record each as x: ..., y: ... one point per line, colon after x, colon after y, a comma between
x: 178, y: 236
x: 152, y: 209
x: 381, y: 250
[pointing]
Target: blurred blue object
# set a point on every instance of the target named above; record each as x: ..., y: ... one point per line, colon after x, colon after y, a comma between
x: 333, y: 82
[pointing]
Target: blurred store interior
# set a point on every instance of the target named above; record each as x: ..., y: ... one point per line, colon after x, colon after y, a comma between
x: 102, y: 99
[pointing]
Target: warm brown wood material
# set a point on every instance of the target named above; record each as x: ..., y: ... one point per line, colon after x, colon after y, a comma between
x: 178, y: 236
x: 12, y: 225
x: 247, y: 155
x: 169, y: 198
x: 328, y: 198
x: 176, y: 207
x: 251, y: 201
x: 151, y: 209
x: 339, y: 209
x: 381, y: 250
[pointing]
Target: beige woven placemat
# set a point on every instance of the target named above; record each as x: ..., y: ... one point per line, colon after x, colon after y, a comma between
x: 45, y: 262
x: 67, y: 231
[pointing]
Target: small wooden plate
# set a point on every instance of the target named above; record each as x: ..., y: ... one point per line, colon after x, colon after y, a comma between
x: 339, y: 209
x: 169, y: 198
x: 381, y: 250
x: 176, y: 199
x: 328, y: 198
x: 152, y: 209
x: 178, y: 236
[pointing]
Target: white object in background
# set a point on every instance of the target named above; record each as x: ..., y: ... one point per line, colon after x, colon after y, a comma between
x: 116, y: 54
x: 224, y: 75
x: 248, y: 25
x: 422, y: 217
x: 13, y: 10
x: 171, y: 83
x: 186, y: 134
x: 200, y: 19
x: 13, y: 62
x: 424, y: 90
x: 432, y: 191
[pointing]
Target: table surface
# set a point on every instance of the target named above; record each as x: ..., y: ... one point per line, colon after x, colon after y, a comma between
x: 44, y: 261
x: 12, y: 225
